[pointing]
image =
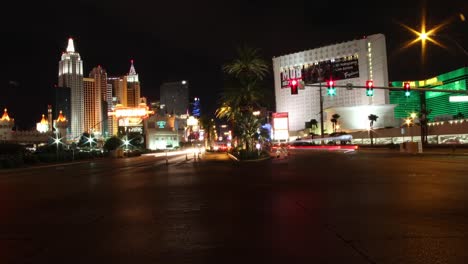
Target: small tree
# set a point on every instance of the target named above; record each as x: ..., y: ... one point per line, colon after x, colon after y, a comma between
x: 314, y: 124
x: 372, y: 119
x: 459, y: 115
x: 334, y: 121
x: 112, y: 143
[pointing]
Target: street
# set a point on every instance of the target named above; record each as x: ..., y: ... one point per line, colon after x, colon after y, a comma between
x: 311, y: 207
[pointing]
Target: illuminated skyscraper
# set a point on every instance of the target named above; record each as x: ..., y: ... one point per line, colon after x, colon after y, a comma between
x: 92, y: 102
x: 100, y: 86
x: 70, y: 75
x: 133, y: 87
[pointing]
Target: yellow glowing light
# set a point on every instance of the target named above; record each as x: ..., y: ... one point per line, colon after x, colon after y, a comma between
x: 425, y: 34
x: 413, y: 115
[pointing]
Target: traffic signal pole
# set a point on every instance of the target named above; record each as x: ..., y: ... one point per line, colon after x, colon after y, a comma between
x: 422, y: 94
x: 394, y: 88
x: 321, y: 113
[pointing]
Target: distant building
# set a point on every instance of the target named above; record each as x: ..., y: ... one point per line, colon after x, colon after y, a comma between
x: 100, y: 82
x: 175, y: 97
x: 439, y: 103
x: 43, y: 125
x: 162, y: 133
x: 40, y: 136
x: 349, y: 62
x: 196, y: 111
x: 119, y: 89
x: 63, y: 103
x: 93, y: 110
x: 70, y: 74
x: 133, y: 87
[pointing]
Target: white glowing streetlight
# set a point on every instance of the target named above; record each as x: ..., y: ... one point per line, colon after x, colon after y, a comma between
x: 57, y: 141
x: 90, y: 141
x: 126, y: 142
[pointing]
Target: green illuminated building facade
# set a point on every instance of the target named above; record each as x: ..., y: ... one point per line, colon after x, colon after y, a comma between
x: 437, y: 102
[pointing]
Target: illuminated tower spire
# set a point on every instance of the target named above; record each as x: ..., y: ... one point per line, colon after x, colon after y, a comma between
x: 132, y: 69
x: 133, y: 87
x: 71, y: 76
x: 71, y: 46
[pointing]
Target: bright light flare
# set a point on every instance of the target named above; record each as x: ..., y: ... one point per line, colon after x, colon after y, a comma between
x: 428, y: 35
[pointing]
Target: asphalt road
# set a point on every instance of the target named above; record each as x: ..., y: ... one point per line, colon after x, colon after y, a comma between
x: 313, y: 207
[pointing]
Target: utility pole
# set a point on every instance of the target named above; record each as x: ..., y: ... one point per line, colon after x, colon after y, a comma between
x: 321, y: 112
x: 423, y: 117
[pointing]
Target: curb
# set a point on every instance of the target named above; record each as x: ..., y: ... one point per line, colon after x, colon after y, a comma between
x: 255, y: 160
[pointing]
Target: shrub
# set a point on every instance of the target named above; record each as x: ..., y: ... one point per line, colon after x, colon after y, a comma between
x: 112, y: 143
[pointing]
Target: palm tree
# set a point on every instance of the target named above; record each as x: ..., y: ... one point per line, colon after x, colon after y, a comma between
x: 314, y: 124
x: 208, y: 125
x: 248, y: 66
x: 372, y: 119
x: 248, y: 128
x: 334, y: 120
x: 423, y: 116
x: 239, y: 101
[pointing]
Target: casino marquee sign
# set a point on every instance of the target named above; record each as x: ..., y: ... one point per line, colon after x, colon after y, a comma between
x: 338, y: 69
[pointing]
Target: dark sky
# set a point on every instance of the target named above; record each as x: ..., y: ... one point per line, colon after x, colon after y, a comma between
x: 175, y: 40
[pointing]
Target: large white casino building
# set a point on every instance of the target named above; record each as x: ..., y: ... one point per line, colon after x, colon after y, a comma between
x: 351, y: 62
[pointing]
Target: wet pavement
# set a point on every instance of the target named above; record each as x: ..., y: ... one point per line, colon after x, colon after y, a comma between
x: 313, y: 207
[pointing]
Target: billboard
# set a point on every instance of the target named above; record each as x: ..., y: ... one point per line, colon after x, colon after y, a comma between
x: 337, y: 69
x: 280, y: 126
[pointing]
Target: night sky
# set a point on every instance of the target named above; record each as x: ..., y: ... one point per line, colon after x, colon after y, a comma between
x: 190, y: 40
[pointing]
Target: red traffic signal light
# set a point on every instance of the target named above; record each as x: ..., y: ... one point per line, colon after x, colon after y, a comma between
x: 407, y: 87
x: 330, y: 84
x: 369, y: 88
x: 293, y: 85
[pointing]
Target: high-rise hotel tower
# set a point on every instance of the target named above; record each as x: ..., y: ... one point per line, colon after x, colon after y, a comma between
x: 71, y: 75
x: 133, y: 87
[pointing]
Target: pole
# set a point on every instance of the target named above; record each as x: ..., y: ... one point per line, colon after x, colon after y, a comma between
x: 422, y: 116
x: 321, y: 113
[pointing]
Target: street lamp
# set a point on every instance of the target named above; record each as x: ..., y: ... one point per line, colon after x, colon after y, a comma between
x: 126, y: 142
x: 56, y: 142
x: 430, y: 35
x: 90, y: 141
x: 408, y: 122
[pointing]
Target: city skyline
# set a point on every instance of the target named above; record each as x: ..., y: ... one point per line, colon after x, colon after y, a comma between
x: 170, y: 50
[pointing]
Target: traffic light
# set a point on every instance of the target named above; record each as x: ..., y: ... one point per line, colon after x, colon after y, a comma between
x: 294, y: 86
x: 407, y: 88
x: 331, y: 90
x: 369, y: 88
